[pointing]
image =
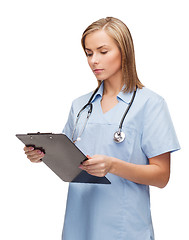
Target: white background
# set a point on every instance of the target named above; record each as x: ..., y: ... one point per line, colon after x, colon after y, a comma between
x: 43, y: 68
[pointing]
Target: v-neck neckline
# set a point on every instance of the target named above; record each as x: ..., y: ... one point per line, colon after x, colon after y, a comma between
x: 107, y: 112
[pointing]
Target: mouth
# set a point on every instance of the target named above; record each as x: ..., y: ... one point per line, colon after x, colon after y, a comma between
x: 97, y: 71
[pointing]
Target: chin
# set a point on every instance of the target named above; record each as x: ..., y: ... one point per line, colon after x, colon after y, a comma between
x: 100, y: 78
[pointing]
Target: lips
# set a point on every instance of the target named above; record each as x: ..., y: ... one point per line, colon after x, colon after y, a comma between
x: 97, y: 71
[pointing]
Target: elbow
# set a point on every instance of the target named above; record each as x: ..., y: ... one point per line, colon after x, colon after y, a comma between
x: 163, y: 182
x: 163, y: 185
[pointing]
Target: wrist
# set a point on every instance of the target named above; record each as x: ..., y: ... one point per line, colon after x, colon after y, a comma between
x: 113, y: 163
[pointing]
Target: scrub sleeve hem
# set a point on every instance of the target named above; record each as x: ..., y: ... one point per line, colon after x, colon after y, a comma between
x: 159, y: 152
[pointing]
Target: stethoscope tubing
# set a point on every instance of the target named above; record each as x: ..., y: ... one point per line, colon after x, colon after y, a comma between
x: 124, y: 115
x: 89, y: 102
x: 90, y: 111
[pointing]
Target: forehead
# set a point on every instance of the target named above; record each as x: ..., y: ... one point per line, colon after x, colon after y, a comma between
x: 97, y: 39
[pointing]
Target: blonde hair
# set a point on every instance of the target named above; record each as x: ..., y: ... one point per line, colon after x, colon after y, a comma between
x: 116, y: 29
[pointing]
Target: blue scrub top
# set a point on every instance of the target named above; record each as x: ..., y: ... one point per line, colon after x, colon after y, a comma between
x: 120, y: 210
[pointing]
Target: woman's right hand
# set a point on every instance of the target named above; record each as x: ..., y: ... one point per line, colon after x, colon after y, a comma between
x: 34, y: 155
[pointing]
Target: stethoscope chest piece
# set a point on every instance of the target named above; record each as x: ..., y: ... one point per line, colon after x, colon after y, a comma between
x: 119, y: 136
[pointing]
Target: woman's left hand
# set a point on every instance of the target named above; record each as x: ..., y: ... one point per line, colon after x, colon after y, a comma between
x: 97, y: 165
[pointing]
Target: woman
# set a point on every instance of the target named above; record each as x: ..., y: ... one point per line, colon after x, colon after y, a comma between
x: 120, y: 210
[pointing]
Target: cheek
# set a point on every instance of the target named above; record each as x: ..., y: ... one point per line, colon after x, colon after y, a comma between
x: 114, y: 61
x: 89, y: 62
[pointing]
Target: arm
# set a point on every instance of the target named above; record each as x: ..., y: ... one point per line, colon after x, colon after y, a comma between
x: 157, y: 173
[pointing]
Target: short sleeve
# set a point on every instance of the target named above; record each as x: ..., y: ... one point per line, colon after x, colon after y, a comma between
x: 68, y: 128
x: 158, y: 135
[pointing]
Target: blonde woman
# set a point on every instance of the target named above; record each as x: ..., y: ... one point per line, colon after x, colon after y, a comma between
x: 128, y: 137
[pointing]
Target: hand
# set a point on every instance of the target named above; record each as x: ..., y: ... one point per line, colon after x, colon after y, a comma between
x: 97, y: 165
x: 34, y: 155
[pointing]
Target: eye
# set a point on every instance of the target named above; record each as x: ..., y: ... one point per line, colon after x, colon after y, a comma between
x: 88, y: 54
x: 104, y: 52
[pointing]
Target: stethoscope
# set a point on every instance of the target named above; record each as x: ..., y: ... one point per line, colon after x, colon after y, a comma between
x: 119, y: 135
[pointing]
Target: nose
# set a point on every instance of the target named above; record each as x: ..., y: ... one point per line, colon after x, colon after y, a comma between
x: 94, y: 59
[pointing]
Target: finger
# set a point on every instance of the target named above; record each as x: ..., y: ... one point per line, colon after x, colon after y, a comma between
x: 38, y: 161
x: 97, y: 172
x: 94, y: 167
x: 34, y: 152
x: 91, y: 161
x: 28, y: 149
x: 35, y: 158
x: 39, y: 156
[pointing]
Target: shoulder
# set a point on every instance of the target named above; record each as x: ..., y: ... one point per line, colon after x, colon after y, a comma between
x: 151, y: 104
x: 148, y: 97
x: 147, y: 94
x: 80, y: 101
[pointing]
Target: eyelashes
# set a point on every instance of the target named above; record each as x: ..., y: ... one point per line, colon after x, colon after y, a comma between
x: 104, y: 52
x: 90, y: 54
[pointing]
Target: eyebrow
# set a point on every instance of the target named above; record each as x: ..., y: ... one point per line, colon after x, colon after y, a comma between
x: 97, y: 48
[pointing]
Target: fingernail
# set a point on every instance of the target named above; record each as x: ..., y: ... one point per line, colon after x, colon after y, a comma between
x: 80, y: 166
x: 38, y: 151
x: 31, y: 148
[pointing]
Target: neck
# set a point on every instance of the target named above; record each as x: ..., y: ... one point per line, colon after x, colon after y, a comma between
x: 112, y: 88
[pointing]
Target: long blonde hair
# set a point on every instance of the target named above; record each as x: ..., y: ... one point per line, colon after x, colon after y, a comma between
x: 116, y: 29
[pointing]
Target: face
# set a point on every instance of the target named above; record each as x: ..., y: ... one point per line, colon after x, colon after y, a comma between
x: 103, y: 56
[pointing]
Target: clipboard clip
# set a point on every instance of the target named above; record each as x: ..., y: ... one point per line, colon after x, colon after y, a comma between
x: 39, y: 148
x: 38, y: 133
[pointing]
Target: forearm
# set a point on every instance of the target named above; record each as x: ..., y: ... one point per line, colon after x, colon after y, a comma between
x: 143, y: 174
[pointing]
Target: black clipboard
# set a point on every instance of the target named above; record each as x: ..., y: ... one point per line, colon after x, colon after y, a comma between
x: 62, y: 156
